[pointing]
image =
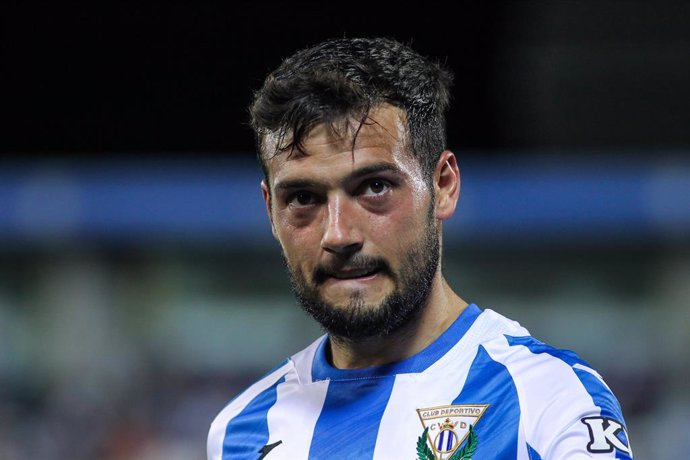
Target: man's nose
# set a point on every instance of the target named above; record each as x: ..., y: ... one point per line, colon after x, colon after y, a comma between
x: 341, y: 235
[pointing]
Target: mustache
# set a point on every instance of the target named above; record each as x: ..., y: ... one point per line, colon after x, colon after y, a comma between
x: 357, y: 262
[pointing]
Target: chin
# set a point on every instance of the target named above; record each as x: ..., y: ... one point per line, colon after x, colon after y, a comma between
x: 345, y: 293
x: 356, y: 299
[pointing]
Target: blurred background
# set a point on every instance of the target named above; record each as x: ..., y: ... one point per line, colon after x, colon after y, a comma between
x: 140, y: 288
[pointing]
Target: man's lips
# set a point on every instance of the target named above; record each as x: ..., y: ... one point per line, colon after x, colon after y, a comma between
x: 348, y: 274
x: 356, y: 270
x: 354, y: 273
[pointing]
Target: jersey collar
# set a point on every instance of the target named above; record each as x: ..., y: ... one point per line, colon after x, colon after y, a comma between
x: 322, y: 370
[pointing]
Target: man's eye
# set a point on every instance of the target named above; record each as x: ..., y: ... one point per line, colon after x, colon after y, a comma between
x: 301, y: 199
x: 376, y: 187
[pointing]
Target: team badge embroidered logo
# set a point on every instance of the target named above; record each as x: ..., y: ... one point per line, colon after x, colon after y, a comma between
x: 449, y: 432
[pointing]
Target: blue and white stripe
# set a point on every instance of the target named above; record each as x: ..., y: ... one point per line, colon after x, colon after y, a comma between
x: 536, y: 396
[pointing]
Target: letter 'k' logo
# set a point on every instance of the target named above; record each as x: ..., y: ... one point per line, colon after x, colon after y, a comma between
x: 603, y: 435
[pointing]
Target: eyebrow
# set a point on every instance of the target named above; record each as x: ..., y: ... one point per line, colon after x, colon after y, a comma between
x: 291, y: 184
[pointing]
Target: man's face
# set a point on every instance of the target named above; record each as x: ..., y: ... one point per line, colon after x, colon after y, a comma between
x: 357, y: 228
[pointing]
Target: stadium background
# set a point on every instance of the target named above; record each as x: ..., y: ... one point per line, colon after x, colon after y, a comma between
x: 140, y: 288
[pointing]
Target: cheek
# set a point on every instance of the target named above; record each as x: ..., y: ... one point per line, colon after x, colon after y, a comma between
x: 298, y: 244
x: 401, y: 227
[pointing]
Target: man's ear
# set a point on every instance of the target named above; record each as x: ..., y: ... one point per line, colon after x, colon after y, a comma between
x: 446, y: 185
x: 267, y: 199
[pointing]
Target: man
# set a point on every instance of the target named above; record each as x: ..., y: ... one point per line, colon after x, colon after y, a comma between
x: 358, y: 183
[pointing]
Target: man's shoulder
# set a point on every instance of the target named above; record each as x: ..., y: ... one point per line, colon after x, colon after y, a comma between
x: 260, y: 396
x: 514, y: 346
x: 296, y: 367
x: 533, y: 364
x: 559, y: 393
x: 261, y: 386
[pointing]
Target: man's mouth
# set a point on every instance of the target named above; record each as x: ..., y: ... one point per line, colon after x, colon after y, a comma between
x: 355, y: 273
x: 362, y: 270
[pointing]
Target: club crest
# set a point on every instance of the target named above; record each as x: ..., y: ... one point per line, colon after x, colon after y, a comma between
x: 449, y: 432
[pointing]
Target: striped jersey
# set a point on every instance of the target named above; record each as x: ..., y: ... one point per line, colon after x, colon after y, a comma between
x: 484, y: 389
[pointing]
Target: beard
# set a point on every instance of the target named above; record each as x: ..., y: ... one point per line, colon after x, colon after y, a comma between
x: 359, y: 320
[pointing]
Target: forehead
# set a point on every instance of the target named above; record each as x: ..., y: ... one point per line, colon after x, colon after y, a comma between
x: 382, y: 138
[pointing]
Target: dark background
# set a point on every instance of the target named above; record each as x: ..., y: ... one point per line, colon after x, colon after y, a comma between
x: 177, y: 76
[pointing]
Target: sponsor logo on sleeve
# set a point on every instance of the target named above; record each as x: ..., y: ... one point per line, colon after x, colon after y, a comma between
x: 605, y: 435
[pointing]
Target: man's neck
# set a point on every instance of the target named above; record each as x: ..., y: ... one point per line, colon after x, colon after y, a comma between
x: 442, y: 309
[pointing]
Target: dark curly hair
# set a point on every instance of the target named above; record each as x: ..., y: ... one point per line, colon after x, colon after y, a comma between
x: 341, y: 80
